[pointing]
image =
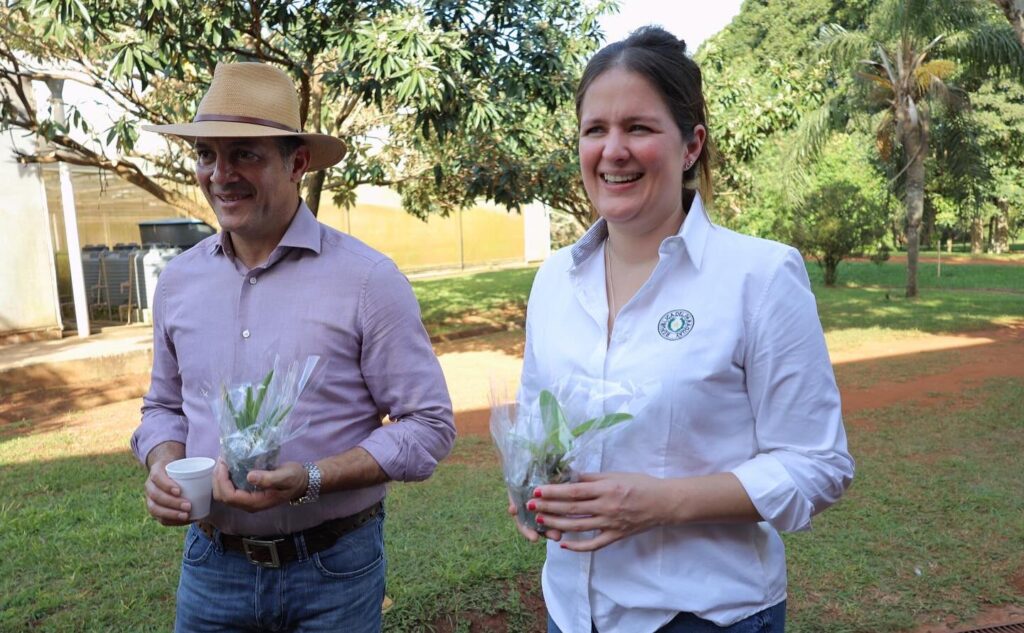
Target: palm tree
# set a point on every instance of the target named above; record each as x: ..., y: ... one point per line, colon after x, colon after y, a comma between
x: 907, y: 55
x: 1014, y: 12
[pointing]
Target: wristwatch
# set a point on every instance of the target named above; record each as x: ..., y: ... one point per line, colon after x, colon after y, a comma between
x: 312, y: 488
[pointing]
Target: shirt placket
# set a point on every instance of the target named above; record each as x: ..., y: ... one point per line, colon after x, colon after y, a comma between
x: 247, y: 329
x: 589, y: 288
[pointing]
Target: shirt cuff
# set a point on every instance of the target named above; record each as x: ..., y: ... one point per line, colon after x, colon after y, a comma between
x: 156, y: 429
x: 401, y: 457
x: 774, y: 493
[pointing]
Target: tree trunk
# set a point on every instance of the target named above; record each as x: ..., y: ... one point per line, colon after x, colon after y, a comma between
x: 977, y: 232
x: 1014, y: 12
x: 1001, y: 235
x: 314, y: 189
x: 831, y: 264
x: 313, y: 98
x: 915, y: 145
x: 928, y: 224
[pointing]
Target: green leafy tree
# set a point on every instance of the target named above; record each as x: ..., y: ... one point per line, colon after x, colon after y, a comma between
x: 843, y: 211
x: 833, y: 222
x: 443, y: 100
x: 760, y: 78
x: 906, y: 56
x: 998, y: 113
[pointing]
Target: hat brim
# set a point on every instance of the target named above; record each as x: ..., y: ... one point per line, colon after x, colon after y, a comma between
x: 324, y: 150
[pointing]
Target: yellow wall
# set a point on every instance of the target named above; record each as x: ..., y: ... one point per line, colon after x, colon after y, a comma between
x: 488, y: 235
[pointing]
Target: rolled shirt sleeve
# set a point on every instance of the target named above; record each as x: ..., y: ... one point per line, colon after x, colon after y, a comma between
x: 163, y: 419
x: 803, y: 464
x: 405, y: 379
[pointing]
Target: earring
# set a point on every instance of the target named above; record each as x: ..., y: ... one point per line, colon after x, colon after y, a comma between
x: 687, y: 165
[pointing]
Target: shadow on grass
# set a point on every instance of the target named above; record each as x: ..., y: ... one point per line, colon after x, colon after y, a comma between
x: 935, y: 312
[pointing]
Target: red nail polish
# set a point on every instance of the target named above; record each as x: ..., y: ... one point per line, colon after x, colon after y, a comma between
x: 536, y: 493
x: 531, y: 506
x: 540, y: 520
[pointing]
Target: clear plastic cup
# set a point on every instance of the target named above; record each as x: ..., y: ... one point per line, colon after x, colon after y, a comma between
x: 195, y: 476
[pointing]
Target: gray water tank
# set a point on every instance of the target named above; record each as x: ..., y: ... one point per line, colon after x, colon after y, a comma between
x: 182, y: 233
x: 92, y: 262
x: 149, y: 263
x: 116, y: 268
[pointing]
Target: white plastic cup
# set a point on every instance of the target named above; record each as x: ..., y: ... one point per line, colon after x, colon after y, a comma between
x: 195, y: 476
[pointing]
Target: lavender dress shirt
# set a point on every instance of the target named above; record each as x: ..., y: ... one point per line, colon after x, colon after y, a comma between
x: 320, y: 292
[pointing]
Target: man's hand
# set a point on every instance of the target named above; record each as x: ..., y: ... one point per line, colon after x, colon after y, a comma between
x: 163, y: 495
x: 288, y: 481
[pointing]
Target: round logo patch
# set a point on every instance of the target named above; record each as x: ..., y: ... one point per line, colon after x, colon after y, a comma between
x: 675, y: 325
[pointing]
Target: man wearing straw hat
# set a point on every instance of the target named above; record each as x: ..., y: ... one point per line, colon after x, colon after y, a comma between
x: 305, y: 551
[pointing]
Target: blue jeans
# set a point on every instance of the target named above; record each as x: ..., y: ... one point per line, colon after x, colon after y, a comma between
x: 771, y: 620
x: 337, y: 589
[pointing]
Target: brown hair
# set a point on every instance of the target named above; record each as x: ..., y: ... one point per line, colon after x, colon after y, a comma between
x: 660, y: 58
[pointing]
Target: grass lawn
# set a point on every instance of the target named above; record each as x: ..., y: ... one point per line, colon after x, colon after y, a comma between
x: 931, y: 525
x: 934, y: 523
x: 868, y: 303
x: 974, y: 276
x: 496, y: 298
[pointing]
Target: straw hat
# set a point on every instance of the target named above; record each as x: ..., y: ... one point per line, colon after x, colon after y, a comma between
x: 250, y: 99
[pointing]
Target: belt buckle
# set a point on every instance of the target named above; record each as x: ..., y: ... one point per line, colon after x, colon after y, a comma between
x: 251, y: 545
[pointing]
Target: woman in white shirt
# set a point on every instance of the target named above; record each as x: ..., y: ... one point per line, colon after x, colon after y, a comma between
x: 676, y: 529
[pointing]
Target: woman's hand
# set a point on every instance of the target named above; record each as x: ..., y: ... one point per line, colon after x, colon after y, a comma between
x: 621, y: 504
x: 526, y: 531
x: 615, y: 504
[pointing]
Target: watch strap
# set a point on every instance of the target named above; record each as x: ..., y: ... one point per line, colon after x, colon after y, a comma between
x: 314, y: 479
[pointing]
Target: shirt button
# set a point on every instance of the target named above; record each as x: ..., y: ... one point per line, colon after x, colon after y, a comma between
x: 252, y: 281
x: 245, y: 333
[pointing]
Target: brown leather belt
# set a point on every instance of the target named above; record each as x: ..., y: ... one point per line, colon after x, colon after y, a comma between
x: 274, y: 551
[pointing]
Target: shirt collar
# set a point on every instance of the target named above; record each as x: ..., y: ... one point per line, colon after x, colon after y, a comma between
x: 303, y: 232
x: 693, y: 234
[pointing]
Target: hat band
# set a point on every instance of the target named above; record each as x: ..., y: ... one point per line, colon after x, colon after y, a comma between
x: 231, y: 118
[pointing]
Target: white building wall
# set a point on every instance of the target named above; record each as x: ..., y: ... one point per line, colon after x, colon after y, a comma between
x: 29, y: 304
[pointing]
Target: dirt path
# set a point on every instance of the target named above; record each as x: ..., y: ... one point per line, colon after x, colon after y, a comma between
x: 953, y: 259
x: 874, y: 375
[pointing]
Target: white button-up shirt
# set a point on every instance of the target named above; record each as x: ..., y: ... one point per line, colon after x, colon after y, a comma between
x: 728, y: 326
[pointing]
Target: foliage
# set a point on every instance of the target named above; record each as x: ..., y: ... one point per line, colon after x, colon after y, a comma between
x: 759, y: 81
x: 247, y: 414
x: 905, y: 58
x: 549, y: 453
x: 833, y: 222
x: 444, y: 100
x: 780, y: 85
x: 1014, y: 12
x: 844, y: 212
